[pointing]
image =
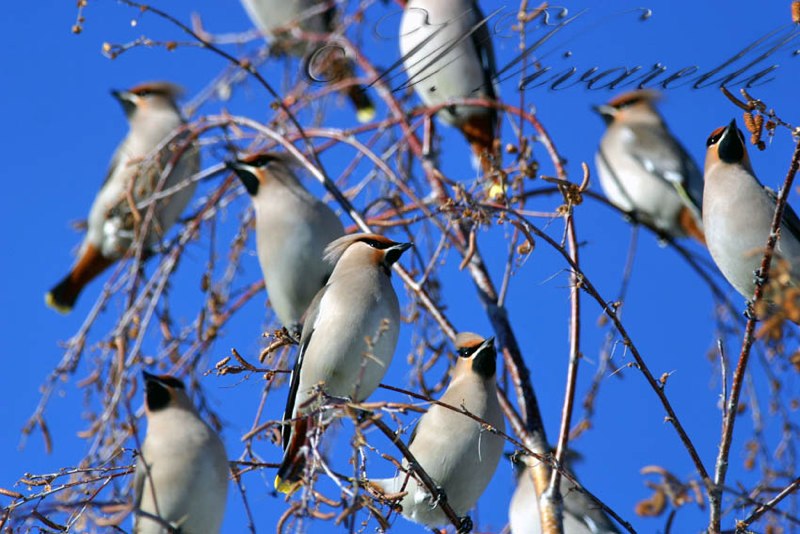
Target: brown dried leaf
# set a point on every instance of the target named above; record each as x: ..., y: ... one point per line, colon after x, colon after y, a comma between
x: 654, y: 506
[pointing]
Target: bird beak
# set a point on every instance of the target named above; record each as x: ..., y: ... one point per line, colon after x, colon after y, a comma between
x: 605, y: 111
x: 487, y: 343
x: 152, y: 381
x: 246, y: 174
x: 730, y: 147
x: 127, y: 99
x: 394, y: 252
x: 123, y: 95
x: 233, y: 164
x: 148, y: 377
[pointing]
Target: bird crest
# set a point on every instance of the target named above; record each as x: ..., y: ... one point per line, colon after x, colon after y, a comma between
x: 335, y: 250
x: 167, y: 89
x: 634, y: 97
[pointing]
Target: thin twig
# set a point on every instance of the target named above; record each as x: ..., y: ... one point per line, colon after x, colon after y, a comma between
x: 721, y: 470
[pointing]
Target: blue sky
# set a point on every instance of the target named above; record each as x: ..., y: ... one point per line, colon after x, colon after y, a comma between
x: 62, y: 126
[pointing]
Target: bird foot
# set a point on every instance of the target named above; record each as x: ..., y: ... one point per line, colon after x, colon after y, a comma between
x: 294, y: 332
x: 758, y: 278
x: 465, y: 525
x: 362, y: 416
x: 630, y: 217
x: 749, y: 311
x: 334, y: 400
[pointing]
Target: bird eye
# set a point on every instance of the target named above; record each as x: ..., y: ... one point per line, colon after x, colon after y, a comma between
x: 373, y: 243
x: 713, y: 139
x: 262, y: 160
x: 145, y: 92
x: 466, y: 352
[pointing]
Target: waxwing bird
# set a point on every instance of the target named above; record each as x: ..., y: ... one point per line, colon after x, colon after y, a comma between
x: 448, y: 54
x: 276, y: 19
x: 738, y: 212
x: 349, y: 337
x: 132, y: 177
x: 182, y: 472
x: 581, y: 515
x: 645, y: 171
x: 292, y: 230
x: 452, y: 448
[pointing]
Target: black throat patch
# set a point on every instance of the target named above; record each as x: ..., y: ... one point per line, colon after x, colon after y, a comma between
x: 731, y: 147
x: 157, y: 396
x: 485, y: 363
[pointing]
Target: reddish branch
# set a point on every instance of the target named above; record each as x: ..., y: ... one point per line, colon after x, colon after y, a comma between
x: 729, y: 420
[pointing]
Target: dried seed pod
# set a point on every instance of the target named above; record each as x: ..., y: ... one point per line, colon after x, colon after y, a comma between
x: 796, y: 12
x: 759, y: 123
x: 749, y: 122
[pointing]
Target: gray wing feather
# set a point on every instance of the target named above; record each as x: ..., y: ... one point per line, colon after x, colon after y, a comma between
x: 662, y: 156
x: 138, y: 482
x: 309, y: 319
x: 115, y: 159
x: 482, y: 41
x: 584, y: 511
x: 790, y: 218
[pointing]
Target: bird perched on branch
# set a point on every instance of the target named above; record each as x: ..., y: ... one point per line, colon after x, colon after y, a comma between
x: 738, y: 212
x: 324, y: 61
x: 455, y: 450
x: 135, y: 174
x: 447, y: 53
x: 292, y: 230
x: 581, y: 515
x: 349, y: 337
x: 181, y: 475
x: 645, y: 171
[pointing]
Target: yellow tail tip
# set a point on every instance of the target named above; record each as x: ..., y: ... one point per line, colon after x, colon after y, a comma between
x: 366, y: 114
x: 286, y: 487
x: 51, y: 302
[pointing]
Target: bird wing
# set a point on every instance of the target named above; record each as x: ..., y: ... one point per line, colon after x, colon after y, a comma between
x: 138, y: 482
x: 581, y: 511
x: 790, y: 218
x: 112, y: 166
x: 414, y: 433
x: 309, y: 322
x: 662, y: 156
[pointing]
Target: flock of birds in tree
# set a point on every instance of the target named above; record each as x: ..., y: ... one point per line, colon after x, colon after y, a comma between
x: 334, y: 292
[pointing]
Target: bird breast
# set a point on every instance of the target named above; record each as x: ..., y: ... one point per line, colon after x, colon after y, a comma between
x: 353, y: 308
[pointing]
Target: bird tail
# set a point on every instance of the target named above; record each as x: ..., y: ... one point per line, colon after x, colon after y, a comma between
x: 365, y: 109
x: 63, y: 295
x: 480, y: 133
x: 290, y: 473
x: 335, y: 69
